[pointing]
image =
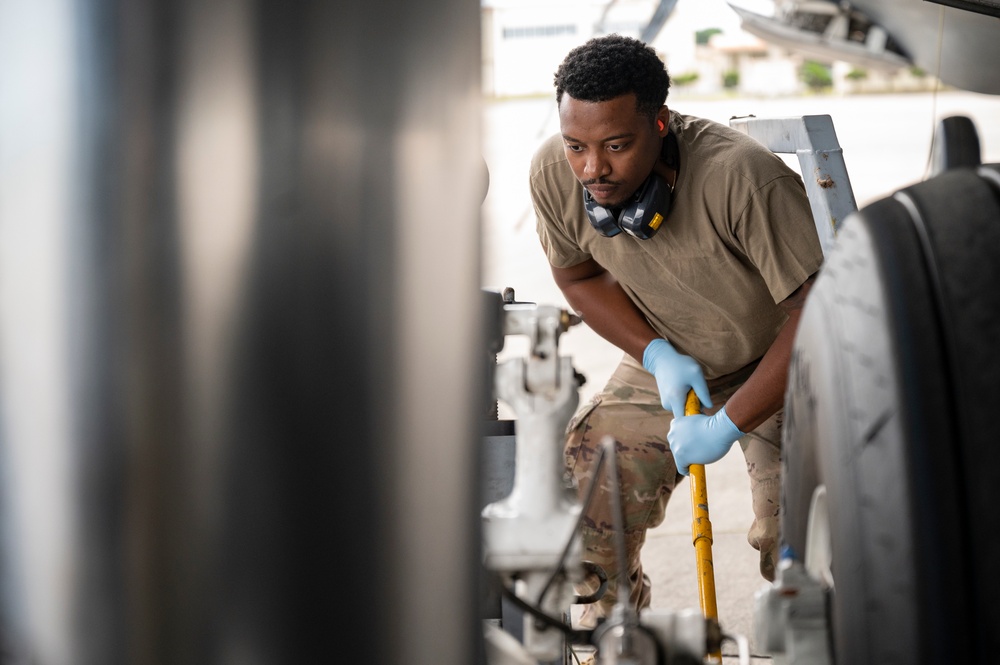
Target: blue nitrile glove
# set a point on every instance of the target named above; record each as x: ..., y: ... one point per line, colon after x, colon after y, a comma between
x: 675, y: 374
x: 701, y: 439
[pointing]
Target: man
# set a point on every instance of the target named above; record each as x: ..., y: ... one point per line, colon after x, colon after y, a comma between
x: 692, y: 248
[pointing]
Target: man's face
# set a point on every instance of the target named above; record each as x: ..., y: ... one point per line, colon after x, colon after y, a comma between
x: 610, y: 146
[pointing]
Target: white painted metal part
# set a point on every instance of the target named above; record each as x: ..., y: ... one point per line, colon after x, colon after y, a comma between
x: 813, y: 140
x: 525, y: 533
x: 790, y: 617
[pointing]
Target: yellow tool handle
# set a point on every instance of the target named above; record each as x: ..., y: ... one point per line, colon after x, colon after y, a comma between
x: 701, y: 530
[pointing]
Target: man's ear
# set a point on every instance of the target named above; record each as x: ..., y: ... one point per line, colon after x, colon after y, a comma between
x: 663, y: 121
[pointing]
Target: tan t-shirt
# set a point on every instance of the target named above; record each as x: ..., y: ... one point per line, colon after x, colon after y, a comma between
x: 739, y: 238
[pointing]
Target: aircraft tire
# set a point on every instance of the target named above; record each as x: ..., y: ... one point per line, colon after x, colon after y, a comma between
x: 889, y: 407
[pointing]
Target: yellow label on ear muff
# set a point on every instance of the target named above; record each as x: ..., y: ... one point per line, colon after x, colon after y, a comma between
x: 657, y: 220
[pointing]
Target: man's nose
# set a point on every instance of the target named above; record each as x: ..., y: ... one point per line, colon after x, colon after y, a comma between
x: 596, y: 166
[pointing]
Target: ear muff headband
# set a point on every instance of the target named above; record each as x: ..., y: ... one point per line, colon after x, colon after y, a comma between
x: 644, y: 212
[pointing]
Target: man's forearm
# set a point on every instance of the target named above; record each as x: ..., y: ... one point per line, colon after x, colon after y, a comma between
x: 763, y: 394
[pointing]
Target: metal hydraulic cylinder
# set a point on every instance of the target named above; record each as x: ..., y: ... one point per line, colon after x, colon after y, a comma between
x: 523, y: 530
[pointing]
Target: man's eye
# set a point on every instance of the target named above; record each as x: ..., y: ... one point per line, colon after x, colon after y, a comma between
x: 574, y: 148
x: 616, y: 147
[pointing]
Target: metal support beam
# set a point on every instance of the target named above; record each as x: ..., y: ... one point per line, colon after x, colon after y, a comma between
x: 813, y: 139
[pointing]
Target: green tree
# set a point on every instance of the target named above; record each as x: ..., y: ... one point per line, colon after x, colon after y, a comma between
x: 730, y: 79
x: 816, y: 75
x: 702, y: 36
x: 687, y: 78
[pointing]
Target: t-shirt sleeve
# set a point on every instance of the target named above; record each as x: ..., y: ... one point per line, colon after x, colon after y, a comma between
x: 779, y: 235
x: 550, y: 197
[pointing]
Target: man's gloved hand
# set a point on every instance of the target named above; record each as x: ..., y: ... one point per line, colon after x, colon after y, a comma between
x: 701, y: 439
x: 675, y: 374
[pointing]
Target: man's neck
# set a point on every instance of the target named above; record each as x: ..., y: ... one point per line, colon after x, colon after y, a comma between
x: 668, y: 174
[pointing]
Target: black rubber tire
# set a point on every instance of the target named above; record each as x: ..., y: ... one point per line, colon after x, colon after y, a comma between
x: 890, y: 402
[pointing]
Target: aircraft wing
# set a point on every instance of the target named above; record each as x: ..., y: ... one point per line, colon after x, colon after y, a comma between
x: 957, y: 41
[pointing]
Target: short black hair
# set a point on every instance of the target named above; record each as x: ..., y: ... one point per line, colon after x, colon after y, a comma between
x: 611, y: 66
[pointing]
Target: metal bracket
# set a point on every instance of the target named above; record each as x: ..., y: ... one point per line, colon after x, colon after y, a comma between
x: 813, y: 139
x: 531, y: 532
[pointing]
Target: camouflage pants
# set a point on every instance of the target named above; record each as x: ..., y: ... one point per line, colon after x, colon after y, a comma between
x: 628, y: 409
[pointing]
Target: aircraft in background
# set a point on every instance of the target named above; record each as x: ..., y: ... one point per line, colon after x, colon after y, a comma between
x: 950, y: 42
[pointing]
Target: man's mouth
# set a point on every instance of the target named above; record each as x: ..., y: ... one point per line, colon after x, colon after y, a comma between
x: 602, y: 191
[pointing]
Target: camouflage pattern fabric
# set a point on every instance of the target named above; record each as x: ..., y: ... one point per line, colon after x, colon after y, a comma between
x: 628, y: 409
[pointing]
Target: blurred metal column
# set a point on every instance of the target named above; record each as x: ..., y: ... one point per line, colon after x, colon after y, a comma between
x: 240, y: 332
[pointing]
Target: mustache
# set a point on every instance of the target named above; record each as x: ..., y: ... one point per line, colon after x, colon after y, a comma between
x: 598, y: 181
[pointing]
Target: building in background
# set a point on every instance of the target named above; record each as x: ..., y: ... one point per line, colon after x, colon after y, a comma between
x: 525, y: 40
x: 746, y: 64
x: 702, y: 43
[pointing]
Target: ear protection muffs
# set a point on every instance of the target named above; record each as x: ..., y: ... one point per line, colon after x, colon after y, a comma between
x: 640, y: 217
x: 643, y: 213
